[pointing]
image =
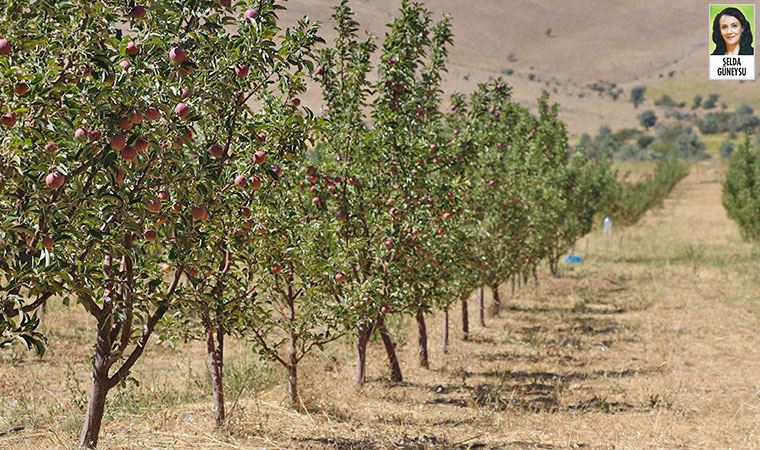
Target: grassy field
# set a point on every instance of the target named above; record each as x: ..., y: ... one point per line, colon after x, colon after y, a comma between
x: 651, y: 342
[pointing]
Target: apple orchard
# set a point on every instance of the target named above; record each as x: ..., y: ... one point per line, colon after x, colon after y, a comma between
x: 158, y: 170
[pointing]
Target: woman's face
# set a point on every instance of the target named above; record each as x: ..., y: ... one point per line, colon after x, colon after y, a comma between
x: 731, y: 30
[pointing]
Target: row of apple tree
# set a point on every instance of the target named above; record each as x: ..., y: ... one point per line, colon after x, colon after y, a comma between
x: 159, y: 171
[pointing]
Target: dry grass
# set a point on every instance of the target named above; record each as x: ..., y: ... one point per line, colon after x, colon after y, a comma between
x: 650, y: 344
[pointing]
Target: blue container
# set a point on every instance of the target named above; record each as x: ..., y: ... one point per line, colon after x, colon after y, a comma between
x: 574, y: 259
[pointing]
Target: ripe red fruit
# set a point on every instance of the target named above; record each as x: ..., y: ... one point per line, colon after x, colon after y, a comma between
x: 132, y: 49
x: 164, y: 196
x: 199, y: 213
x: 125, y: 65
x: 251, y: 15
x: 161, y: 219
x: 177, y: 207
x: 192, y: 271
x: 388, y: 244
x: 153, y: 114
x: 150, y: 235
x: 259, y: 157
x: 353, y: 181
x: 141, y: 144
x: 245, y: 211
x: 118, y: 141
x: 93, y: 135
x: 55, y: 180
x: 125, y: 124
x: 216, y: 150
x: 177, y: 55
x: 21, y: 89
x: 385, y: 309
x: 241, y: 181
x: 138, y: 12
x: 128, y: 153
x: 440, y: 232
x: 50, y: 147
x: 80, y: 134
x: 5, y: 47
x: 242, y: 70
x: 446, y: 216
x: 276, y: 268
x: 153, y: 205
x: 262, y: 136
x: 185, y: 93
x: 47, y: 242
x: 8, y: 120
x: 137, y: 118
x: 277, y: 170
x: 340, y: 277
x: 255, y: 183
x: 182, y: 110
x: 296, y: 102
x: 491, y: 183
x: 316, y: 201
x: 320, y: 70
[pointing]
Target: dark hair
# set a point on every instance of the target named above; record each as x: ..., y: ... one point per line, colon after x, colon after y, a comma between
x: 745, y: 42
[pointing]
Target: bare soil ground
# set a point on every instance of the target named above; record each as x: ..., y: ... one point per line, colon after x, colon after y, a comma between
x: 652, y: 343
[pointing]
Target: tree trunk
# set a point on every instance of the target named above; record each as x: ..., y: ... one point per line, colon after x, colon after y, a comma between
x: 465, y: 321
x: 482, y: 308
x: 390, y: 349
x: 215, y: 352
x: 445, y: 330
x: 293, y: 375
x: 361, y: 355
x: 496, y: 299
x: 535, y: 275
x: 95, y: 410
x: 422, y: 340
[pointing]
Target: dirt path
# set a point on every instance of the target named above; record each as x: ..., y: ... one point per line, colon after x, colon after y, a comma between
x: 654, y: 344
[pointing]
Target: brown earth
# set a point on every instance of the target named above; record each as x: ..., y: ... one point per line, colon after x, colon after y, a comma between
x: 651, y: 343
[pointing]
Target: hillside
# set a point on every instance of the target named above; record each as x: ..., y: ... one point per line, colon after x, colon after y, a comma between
x: 566, y: 48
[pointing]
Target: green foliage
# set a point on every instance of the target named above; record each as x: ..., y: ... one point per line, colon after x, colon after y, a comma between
x: 740, y: 190
x: 647, y: 119
x: 637, y: 95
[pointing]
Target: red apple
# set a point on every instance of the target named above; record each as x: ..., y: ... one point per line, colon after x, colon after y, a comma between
x: 153, y: 205
x: 446, y: 216
x: 80, y: 134
x: 216, y: 150
x: 55, y: 180
x: 199, y: 213
x: 255, y: 183
x: 262, y: 136
x: 125, y: 65
x: 153, y: 114
x: 125, y: 124
x: 50, y: 147
x: 259, y: 157
x: 276, y: 268
x: 185, y: 93
x: 242, y: 70
x: 316, y: 201
x: 182, y: 110
x: 245, y: 211
x: 340, y: 277
x: 138, y: 12
x: 8, y: 120
x: 164, y: 196
x: 93, y: 135
x: 177, y: 207
x: 21, y: 89
x: 118, y: 141
x: 132, y: 49
x: 128, y: 153
x: 5, y: 47
x: 240, y: 181
x: 141, y: 144
x: 296, y: 102
x: 161, y: 219
x: 136, y: 118
x: 385, y: 309
x: 177, y: 55
x: 388, y: 244
x: 150, y: 235
x: 250, y: 15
